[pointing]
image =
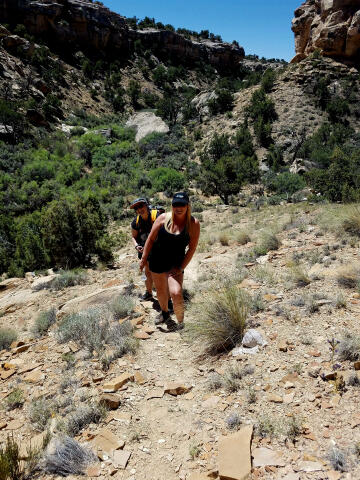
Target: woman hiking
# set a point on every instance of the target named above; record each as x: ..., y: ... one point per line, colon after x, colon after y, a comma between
x: 140, y: 229
x: 169, y: 248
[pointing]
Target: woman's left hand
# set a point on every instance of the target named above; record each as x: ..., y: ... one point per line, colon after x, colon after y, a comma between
x: 142, y: 264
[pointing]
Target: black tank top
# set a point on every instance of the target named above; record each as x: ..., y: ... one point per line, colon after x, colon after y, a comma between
x: 168, y: 250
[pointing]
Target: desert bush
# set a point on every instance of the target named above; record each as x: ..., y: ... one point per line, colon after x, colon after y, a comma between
x: 15, y: 399
x: 83, y: 416
x: 69, y: 279
x: 349, y: 276
x: 122, y: 306
x: 224, y: 239
x: 349, y: 347
x: 353, y: 380
x: 10, y: 464
x: 268, y: 241
x: 232, y: 378
x: 40, y: 412
x: 243, y: 238
x: 351, y: 221
x: 89, y: 329
x: 215, y: 382
x: 43, y: 322
x: 294, y: 428
x: 221, y: 320
x: 67, y: 457
x: 251, y: 395
x: 7, y: 336
x: 233, y: 421
x: 267, y: 427
x: 338, y: 459
x: 298, y: 276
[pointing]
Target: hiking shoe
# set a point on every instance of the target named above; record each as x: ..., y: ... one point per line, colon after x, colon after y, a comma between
x: 146, y: 296
x: 172, y: 326
x: 180, y: 326
x: 170, y: 306
x: 160, y: 319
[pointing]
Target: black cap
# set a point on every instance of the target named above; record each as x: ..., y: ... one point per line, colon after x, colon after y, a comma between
x: 180, y: 198
x: 138, y: 201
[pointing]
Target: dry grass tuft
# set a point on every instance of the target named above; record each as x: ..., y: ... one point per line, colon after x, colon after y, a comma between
x: 220, y: 320
x: 351, y: 221
x: 349, y: 276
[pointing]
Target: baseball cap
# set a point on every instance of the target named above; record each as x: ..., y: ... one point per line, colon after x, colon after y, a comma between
x: 180, y: 198
x: 138, y: 201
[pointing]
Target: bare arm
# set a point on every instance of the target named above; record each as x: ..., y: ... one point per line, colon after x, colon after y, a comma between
x: 159, y: 222
x: 194, y: 239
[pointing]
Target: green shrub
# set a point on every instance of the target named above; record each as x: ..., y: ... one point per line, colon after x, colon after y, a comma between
x: 349, y: 347
x: 43, y: 322
x: 40, y: 412
x: 89, y: 329
x: 261, y: 106
x: 10, y: 463
x: 268, y: 79
x: 83, y: 416
x: 7, y: 336
x: 268, y: 241
x: 338, y: 109
x: 166, y: 180
x: 223, y: 102
x: 15, y: 399
x: 286, y: 183
x: 69, y: 279
x: 122, y: 306
x: 73, y: 231
x: 220, y: 320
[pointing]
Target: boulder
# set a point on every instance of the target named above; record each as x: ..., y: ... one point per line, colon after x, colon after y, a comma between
x: 99, y: 297
x: 146, y: 123
x: 331, y: 26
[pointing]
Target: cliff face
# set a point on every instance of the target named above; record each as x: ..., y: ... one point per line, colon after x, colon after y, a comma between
x: 332, y: 26
x: 96, y: 30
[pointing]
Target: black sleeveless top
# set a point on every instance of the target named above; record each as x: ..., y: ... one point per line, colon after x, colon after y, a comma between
x: 168, y: 250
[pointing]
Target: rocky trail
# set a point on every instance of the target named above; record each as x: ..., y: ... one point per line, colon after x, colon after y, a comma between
x: 286, y: 415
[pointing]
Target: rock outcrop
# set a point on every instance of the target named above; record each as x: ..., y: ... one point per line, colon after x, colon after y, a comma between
x: 96, y: 30
x: 331, y: 26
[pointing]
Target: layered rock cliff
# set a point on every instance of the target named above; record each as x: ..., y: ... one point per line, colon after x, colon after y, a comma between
x: 332, y: 26
x: 96, y: 30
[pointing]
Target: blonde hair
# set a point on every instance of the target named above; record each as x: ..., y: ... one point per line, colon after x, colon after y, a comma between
x: 188, y: 224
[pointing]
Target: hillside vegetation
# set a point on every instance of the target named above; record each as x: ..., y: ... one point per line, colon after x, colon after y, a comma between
x: 65, y: 147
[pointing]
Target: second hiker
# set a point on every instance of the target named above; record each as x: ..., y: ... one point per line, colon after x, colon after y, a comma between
x: 140, y: 229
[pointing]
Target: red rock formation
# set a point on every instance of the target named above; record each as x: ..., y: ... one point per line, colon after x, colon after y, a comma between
x: 79, y: 24
x: 331, y: 26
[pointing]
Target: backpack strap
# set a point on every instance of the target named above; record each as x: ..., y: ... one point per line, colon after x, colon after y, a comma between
x: 137, y: 220
x: 153, y: 215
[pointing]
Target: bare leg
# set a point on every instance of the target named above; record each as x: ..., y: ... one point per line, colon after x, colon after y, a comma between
x: 175, y: 288
x: 148, y: 281
x: 161, y: 285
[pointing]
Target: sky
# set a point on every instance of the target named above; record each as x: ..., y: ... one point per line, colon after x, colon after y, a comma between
x: 262, y: 27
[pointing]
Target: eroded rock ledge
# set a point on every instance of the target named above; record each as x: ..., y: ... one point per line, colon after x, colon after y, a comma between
x: 96, y: 30
x: 332, y: 26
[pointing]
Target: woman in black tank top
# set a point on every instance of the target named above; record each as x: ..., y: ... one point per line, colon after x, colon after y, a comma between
x: 169, y: 248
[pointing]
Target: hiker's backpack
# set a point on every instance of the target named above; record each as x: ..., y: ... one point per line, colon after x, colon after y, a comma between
x: 153, y: 216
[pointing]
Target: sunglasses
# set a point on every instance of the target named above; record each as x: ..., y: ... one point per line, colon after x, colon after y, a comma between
x: 139, y: 207
x: 176, y: 205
